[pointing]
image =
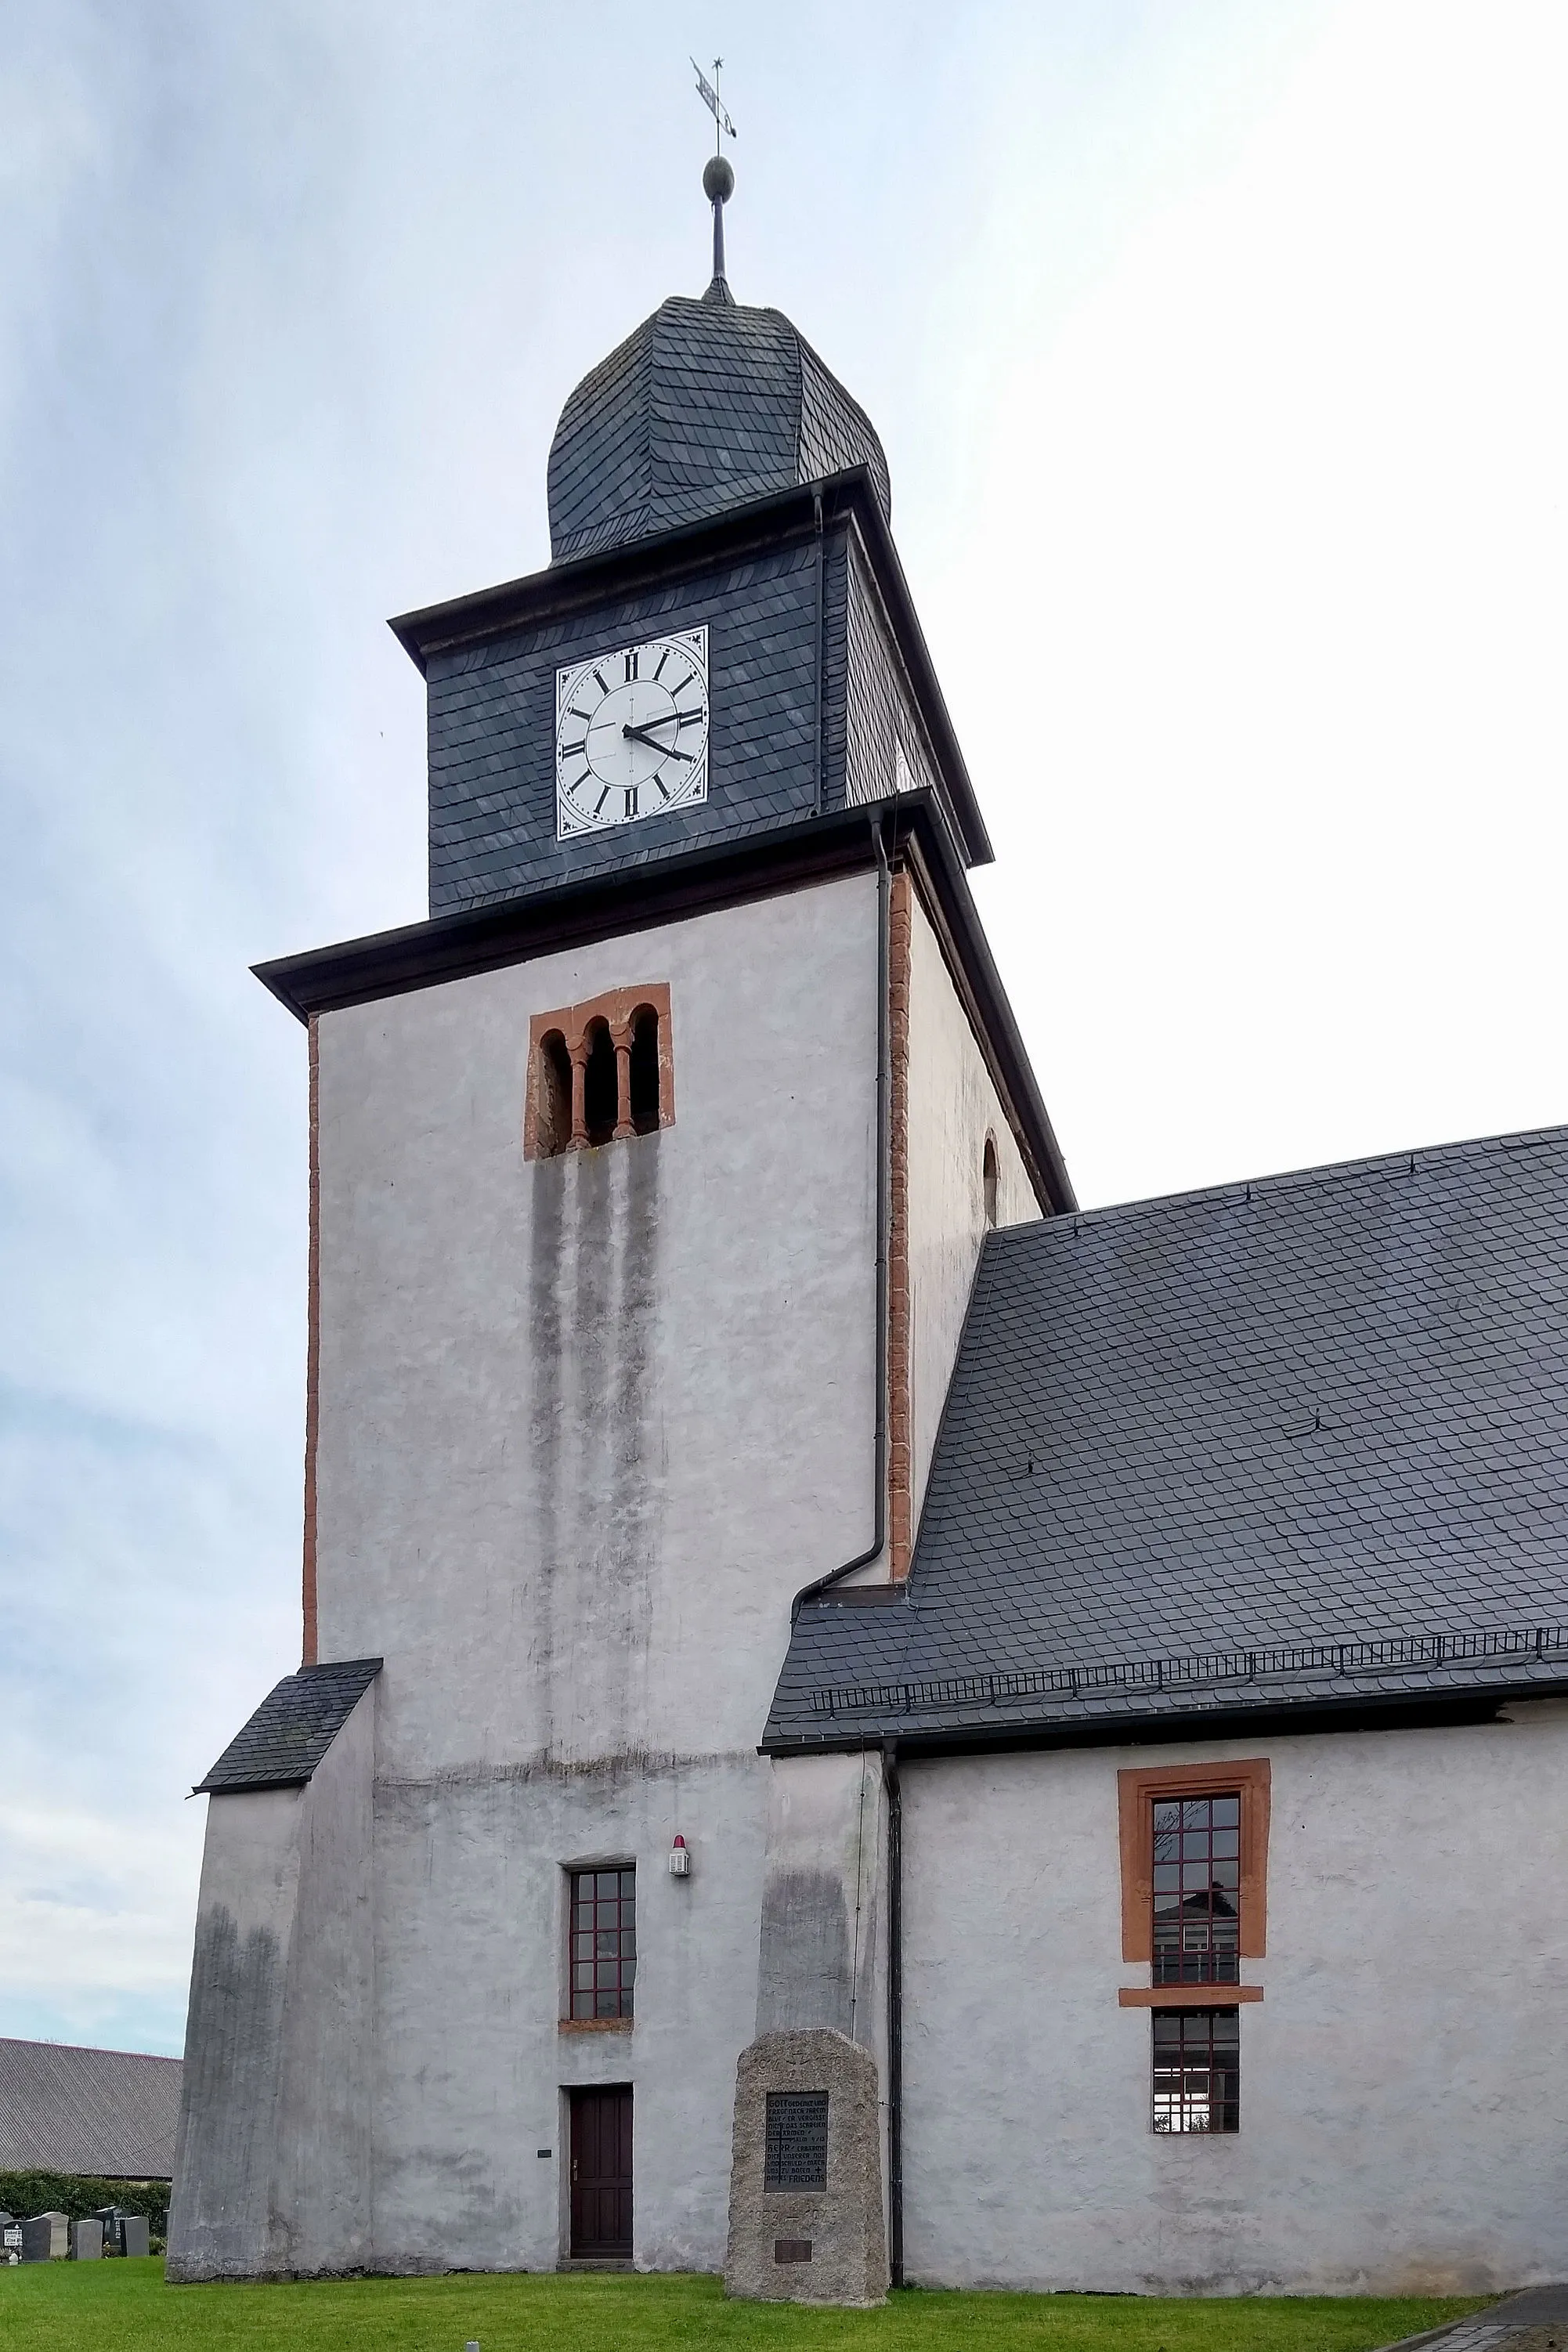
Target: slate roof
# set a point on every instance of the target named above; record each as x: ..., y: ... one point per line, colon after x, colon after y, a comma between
x: 1299, y: 1441
x: 292, y: 1729
x: 113, y: 2113
x: 706, y: 406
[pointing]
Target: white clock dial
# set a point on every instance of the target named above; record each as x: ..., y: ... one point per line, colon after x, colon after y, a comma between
x: 631, y: 733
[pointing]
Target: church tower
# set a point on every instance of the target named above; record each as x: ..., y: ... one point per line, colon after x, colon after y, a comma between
x: 648, y: 1177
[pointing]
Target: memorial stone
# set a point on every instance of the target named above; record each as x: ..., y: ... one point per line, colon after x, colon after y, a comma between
x: 86, y: 2240
x: 806, y: 2194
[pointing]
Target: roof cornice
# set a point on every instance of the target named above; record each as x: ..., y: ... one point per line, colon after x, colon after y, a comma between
x: 1293, y: 1718
x: 487, y: 939
x: 845, y: 499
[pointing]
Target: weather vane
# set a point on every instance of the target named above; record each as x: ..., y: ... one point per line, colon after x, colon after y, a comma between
x: 718, y: 174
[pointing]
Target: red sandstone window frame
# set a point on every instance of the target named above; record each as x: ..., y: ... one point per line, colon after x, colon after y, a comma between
x: 575, y: 1026
x: 1136, y: 1792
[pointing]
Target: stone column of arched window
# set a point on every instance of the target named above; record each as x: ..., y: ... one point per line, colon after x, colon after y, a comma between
x: 621, y: 1038
x: 579, y: 1049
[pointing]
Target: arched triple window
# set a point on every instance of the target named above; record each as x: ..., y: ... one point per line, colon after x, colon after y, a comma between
x: 599, y: 1073
x: 988, y: 1179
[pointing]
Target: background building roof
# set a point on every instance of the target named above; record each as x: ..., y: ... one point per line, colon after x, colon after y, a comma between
x: 1248, y: 1448
x: 113, y: 2113
x: 707, y: 405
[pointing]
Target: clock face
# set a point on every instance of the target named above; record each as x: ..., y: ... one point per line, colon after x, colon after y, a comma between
x: 631, y: 733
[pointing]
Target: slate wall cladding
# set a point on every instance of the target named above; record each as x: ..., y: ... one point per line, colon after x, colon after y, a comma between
x: 835, y: 667
x: 492, y: 732
x: 879, y: 717
x: 492, y: 723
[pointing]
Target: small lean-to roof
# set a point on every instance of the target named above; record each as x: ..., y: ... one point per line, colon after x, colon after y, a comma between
x: 111, y: 2112
x: 1295, y: 1443
x: 292, y: 1729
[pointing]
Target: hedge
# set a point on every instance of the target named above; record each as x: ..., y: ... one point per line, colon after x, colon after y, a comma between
x: 79, y: 2197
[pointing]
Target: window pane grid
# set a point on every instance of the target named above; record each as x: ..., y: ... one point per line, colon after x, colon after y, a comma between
x: 1197, y: 2070
x: 1197, y: 1890
x: 604, y: 1942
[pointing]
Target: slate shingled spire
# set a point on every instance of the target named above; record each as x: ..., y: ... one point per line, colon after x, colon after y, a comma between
x: 708, y: 405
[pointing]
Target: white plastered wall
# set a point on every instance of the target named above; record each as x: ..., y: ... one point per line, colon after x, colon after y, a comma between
x: 1403, y: 2117
x: 273, y: 2166
x: 952, y: 1108
x: 586, y: 1426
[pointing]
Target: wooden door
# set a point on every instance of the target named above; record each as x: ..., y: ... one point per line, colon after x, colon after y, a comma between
x: 602, y: 2174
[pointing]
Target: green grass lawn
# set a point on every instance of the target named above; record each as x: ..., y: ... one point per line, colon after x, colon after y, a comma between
x: 119, y: 2306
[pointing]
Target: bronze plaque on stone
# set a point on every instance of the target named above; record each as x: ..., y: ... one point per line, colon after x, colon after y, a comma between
x: 796, y: 2154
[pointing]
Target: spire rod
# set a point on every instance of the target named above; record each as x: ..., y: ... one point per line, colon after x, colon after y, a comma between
x: 718, y: 175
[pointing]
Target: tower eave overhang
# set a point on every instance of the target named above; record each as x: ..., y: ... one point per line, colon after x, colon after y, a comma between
x: 911, y: 826
x: 840, y: 499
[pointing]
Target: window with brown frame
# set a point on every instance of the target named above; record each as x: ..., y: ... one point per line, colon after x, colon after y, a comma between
x: 1195, y: 1860
x: 599, y: 1073
x: 1206, y: 1894
x: 602, y: 1953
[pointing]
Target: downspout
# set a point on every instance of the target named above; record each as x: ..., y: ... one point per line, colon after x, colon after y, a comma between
x: 884, y: 1092
x: 895, y: 2011
x: 816, y: 765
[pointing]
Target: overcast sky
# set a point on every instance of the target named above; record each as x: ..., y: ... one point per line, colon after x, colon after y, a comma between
x: 1218, y: 351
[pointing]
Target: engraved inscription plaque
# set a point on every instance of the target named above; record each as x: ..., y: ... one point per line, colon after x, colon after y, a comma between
x: 796, y: 2156
x: 792, y: 2250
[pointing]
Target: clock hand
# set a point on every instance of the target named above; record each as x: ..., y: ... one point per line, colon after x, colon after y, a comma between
x: 670, y: 750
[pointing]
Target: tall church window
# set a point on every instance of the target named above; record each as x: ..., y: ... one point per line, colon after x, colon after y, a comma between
x: 603, y: 1957
x: 988, y: 1179
x: 1194, y: 1866
x: 1197, y: 2070
x: 599, y: 1073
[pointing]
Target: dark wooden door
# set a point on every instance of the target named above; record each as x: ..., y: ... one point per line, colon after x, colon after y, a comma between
x: 602, y: 2174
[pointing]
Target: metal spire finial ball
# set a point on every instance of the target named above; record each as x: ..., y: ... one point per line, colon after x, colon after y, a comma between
x: 718, y: 179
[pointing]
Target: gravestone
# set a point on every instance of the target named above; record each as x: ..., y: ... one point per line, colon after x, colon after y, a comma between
x: 133, y: 2233
x: 86, y: 2240
x: 10, y: 2239
x: 46, y: 2238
